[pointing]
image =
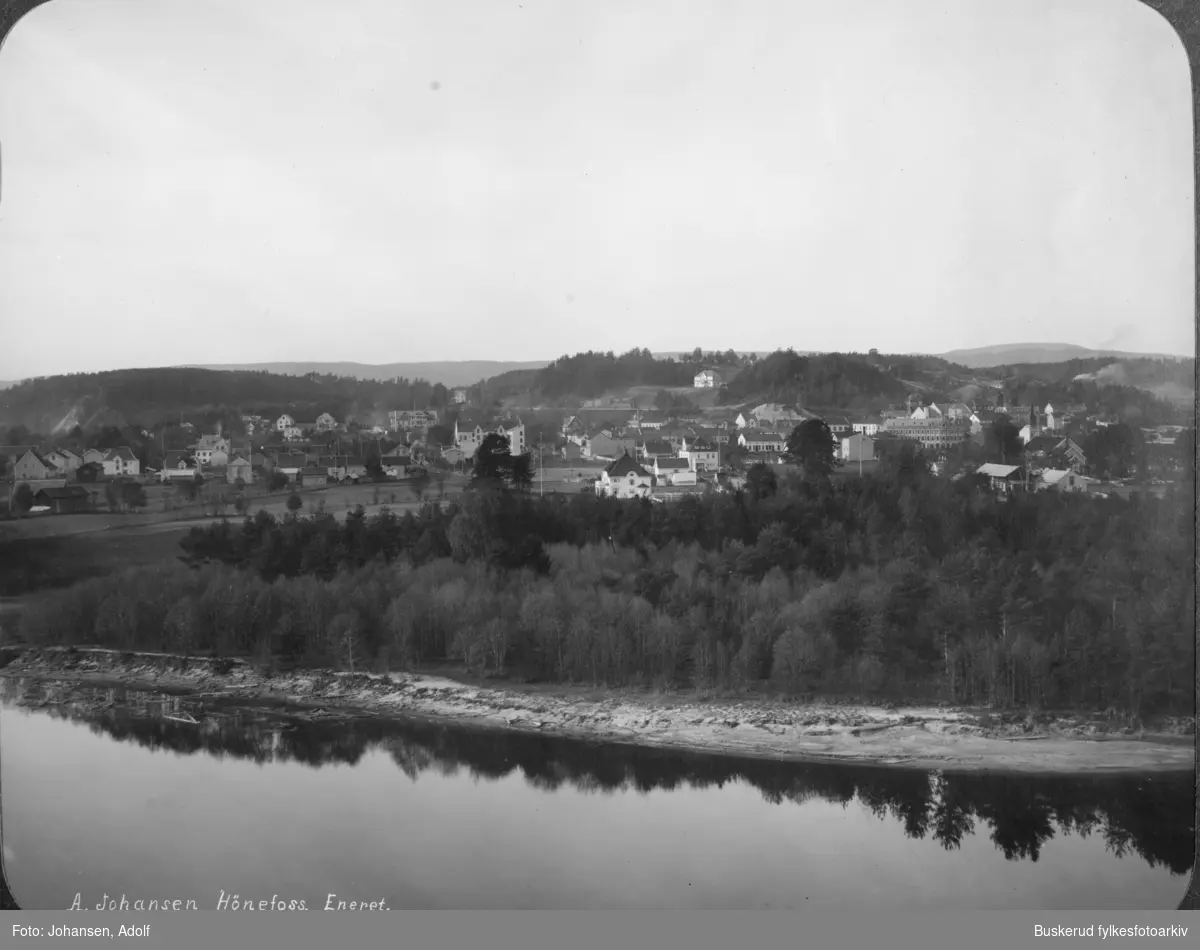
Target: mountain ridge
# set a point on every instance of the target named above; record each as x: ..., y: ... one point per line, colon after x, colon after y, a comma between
x: 1003, y: 354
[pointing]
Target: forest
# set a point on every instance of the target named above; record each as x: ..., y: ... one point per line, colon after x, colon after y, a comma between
x: 149, y: 397
x: 902, y: 587
x: 591, y: 374
x: 833, y: 379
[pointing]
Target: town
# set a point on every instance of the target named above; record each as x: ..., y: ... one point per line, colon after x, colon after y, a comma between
x: 626, y: 453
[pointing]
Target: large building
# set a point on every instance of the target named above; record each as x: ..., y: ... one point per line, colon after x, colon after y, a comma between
x: 707, y: 379
x: 938, y: 433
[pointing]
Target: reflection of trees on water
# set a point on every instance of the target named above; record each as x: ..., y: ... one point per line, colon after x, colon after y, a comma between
x: 1150, y: 815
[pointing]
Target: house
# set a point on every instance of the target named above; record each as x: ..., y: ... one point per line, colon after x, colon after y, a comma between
x: 121, y: 461
x: 742, y: 420
x: 926, y: 413
x: 865, y: 428
x: 1002, y: 478
x: 458, y: 397
x: 607, y: 446
x: 298, y: 430
x: 1055, y: 451
x: 858, y: 448
x: 311, y: 475
x: 468, y: 434
x: 514, y: 431
x: 650, y: 420
x: 1062, y: 480
x: 411, y: 419
x: 284, y: 422
x: 33, y: 466
x: 69, y: 499
x: 12, y: 453
x: 95, y: 455
x: 64, y: 460
x: 701, y: 456
x: 773, y: 414
x: 656, y: 448
x: 573, y: 425
x: 325, y: 423
x: 624, y: 478
x: 203, y: 450
x: 840, y: 427
x: 290, y: 464
x: 707, y: 379
x: 347, y: 466
x: 395, y: 466
x: 179, y: 465
x: 760, y: 442
x: 673, y: 471
x: 958, y: 412
x: 239, y: 467
x: 455, y: 456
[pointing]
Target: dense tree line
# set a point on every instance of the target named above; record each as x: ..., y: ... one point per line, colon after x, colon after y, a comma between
x: 1150, y: 817
x: 149, y: 397
x: 832, y: 379
x: 916, y: 587
x: 591, y: 374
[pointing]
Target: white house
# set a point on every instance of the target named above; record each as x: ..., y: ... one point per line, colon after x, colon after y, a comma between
x: 1062, y: 481
x: 468, y: 439
x: 624, y: 478
x: 701, y: 456
x: 755, y: 440
x: 858, y: 448
x: 284, y: 422
x: 773, y: 413
x: 326, y: 422
x: 865, y: 428
x: 209, y: 449
x: 674, y: 471
x: 458, y: 397
x: 121, y: 461
x: 64, y: 460
x: 926, y: 412
x: 707, y: 379
x: 515, y: 433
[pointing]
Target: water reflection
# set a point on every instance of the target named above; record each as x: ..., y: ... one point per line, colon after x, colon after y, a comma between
x: 1151, y: 816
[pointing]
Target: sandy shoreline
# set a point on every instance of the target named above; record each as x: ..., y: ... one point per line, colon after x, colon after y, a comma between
x: 917, y: 737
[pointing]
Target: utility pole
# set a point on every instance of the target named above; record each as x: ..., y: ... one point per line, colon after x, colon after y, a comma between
x: 541, y: 474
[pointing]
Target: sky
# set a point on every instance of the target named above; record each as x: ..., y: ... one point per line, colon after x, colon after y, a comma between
x: 218, y: 181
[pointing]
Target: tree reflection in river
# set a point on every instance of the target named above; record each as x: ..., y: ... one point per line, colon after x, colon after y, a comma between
x: 1148, y: 815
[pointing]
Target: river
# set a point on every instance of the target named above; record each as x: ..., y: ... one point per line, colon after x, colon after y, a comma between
x: 104, y: 795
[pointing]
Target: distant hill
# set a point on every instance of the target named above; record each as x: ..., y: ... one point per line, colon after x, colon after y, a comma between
x: 1016, y: 353
x: 449, y: 374
x: 145, y: 397
x: 847, y: 381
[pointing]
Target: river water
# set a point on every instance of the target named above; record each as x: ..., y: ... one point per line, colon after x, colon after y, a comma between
x: 103, y: 794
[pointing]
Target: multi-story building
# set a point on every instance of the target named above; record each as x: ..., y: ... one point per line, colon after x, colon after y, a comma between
x: 935, y: 434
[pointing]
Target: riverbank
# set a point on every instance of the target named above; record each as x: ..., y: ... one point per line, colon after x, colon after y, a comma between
x: 919, y: 737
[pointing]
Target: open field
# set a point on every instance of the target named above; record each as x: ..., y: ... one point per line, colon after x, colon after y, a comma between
x: 919, y: 737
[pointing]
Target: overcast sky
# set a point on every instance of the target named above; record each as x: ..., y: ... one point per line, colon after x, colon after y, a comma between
x: 196, y: 181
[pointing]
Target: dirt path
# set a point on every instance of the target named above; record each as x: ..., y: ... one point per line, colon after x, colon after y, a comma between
x: 922, y: 737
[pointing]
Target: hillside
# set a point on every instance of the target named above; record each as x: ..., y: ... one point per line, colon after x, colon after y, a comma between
x: 150, y: 396
x: 449, y: 374
x: 845, y: 381
x: 1017, y: 353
